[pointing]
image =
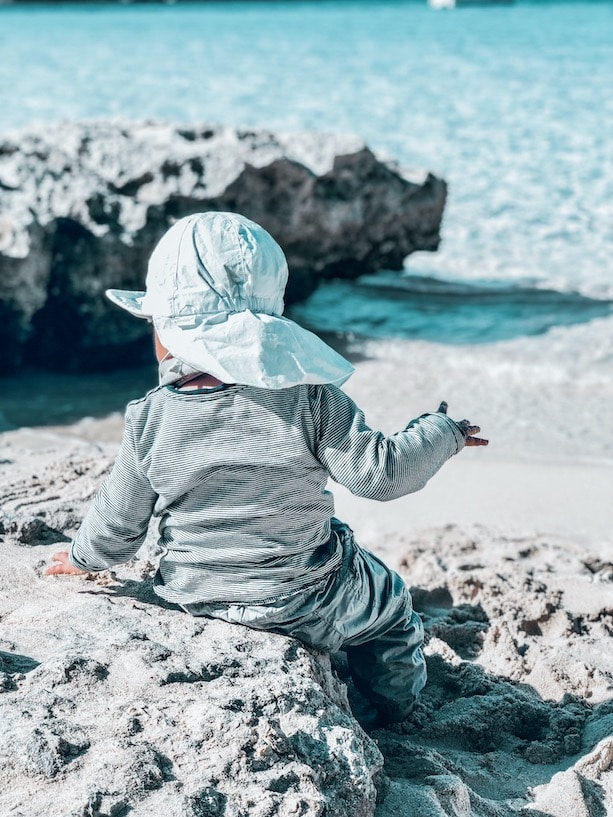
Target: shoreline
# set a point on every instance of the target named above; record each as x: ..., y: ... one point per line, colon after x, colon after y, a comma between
x: 545, y: 405
x: 558, y: 497
x: 518, y: 499
x: 543, y: 399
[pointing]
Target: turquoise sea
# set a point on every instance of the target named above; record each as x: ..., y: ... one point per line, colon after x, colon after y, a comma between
x: 511, y: 104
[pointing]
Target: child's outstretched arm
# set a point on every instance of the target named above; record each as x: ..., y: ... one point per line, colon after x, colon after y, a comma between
x: 116, y: 523
x: 381, y: 467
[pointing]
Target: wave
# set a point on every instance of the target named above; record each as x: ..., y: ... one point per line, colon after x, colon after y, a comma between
x: 447, y: 311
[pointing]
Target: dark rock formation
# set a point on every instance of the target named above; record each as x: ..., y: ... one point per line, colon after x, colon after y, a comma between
x: 83, y: 204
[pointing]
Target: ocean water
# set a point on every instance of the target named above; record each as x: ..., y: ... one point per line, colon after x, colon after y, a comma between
x: 511, y: 104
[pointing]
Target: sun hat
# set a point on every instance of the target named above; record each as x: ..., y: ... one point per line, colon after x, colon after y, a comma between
x: 214, y: 291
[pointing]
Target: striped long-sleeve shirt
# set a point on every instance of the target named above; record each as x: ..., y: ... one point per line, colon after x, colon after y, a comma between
x: 238, y: 479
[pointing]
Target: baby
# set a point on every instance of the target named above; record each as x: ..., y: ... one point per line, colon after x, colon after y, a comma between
x: 232, y: 453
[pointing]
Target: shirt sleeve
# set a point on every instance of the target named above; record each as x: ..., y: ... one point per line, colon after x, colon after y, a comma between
x: 116, y: 523
x: 371, y: 464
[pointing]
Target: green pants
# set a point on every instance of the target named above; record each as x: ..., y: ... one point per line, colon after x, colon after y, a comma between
x: 364, y: 609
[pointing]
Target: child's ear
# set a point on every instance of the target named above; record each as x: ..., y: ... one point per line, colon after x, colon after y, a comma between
x: 160, y: 350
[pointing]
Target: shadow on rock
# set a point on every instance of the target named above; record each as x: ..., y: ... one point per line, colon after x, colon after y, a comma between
x: 142, y: 591
x: 32, y: 532
x: 136, y: 709
x: 13, y: 667
x: 461, y: 626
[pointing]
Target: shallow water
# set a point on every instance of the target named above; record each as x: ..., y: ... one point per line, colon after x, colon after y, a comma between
x: 511, y: 104
x: 35, y: 398
x: 422, y: 308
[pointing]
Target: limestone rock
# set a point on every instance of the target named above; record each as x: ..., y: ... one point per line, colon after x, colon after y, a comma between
x: 149, y: 710
x: 83, y: 204
x: 114, y: 702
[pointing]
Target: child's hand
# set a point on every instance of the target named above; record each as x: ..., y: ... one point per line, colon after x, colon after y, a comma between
x: 466, y: 428
x: 63, y: 566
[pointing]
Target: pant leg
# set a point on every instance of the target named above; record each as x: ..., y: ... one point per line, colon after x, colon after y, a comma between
x: 390, y: 670
x: 365, y: 609
x: 385, y: 656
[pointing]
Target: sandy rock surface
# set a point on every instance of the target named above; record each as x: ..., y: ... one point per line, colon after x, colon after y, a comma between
x: 117, y: 704
x: 518, y: 711
x: 83, y: 204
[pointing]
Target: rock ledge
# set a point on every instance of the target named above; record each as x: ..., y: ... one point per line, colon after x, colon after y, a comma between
x: 113, y: 703
x: 83, y: 204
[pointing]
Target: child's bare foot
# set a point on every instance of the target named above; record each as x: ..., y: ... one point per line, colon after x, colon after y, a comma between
x: 63, y: 566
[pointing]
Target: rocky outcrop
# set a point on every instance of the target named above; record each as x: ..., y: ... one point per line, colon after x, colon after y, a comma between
x: 83, y: 204
x: 115, y: 703
x: 148, y: 711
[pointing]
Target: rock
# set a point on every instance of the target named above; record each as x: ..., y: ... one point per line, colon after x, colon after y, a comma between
x: 221, y: 721
x: 579, y: 790
x: 115, y: 702
x: 83, y: 204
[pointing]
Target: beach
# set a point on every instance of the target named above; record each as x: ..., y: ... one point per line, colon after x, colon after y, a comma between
x: 115, y: 704
x: 508, y: 554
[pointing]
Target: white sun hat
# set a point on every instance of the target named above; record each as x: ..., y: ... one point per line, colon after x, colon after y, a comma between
x: 214, y: 291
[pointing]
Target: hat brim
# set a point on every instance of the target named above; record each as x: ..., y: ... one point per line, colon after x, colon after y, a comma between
x: 130, y: 301
x: 254, y: 349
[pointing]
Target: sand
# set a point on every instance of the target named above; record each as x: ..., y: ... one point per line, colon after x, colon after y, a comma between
x: 509, y: 555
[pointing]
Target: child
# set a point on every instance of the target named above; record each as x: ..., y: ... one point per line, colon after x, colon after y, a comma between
x: 233, y: 450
